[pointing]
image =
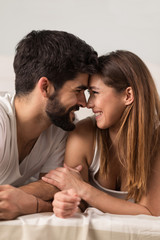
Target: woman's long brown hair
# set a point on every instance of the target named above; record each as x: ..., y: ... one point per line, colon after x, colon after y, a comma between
x: 138, y: 135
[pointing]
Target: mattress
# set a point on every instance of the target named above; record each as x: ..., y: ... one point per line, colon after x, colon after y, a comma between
x: 91, y: 225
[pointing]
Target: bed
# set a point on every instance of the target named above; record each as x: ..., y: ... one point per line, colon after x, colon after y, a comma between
x: 91, y: 225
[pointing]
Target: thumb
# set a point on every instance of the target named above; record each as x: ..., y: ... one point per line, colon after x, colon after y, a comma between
x: 77, y: 168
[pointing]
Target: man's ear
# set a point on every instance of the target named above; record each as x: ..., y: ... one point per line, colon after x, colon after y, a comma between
x: 129, y: 97
x: 46, y: 87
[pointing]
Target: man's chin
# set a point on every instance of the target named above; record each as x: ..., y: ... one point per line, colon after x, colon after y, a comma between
x: 64, y: 121
x: 65, y: 126
x: 68, y: 128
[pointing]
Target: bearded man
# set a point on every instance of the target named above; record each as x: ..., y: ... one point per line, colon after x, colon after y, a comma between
x: 51, y: 74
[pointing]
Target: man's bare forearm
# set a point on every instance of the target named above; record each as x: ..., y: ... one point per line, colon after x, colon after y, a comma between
x: 16, y: 202
x: 40, y: 189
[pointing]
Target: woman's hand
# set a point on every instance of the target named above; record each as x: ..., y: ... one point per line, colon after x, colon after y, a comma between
x: 65, y: 178
x: 66, y: 203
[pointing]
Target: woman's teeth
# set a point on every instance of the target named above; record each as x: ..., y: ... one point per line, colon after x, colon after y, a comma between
x: 98, y: 114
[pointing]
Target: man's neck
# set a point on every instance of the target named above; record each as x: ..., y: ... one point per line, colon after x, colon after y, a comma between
x: 30, y: 120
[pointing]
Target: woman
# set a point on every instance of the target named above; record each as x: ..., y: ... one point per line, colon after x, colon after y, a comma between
x: 118, y: 149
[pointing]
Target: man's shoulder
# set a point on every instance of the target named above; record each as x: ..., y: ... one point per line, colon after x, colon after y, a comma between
x: 6, y: 102
x: 7, y: 115
x: 6, y: 95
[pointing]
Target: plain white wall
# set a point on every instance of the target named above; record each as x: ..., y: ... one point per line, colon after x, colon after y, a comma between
x: 105, y: 24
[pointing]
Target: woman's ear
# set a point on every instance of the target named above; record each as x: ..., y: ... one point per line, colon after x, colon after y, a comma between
x: 129, y: 97
x: 46, y: 87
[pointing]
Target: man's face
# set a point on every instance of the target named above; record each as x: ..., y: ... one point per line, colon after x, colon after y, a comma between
x: 62, y: 104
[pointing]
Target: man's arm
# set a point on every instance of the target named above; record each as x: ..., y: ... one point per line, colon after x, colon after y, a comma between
x: 32, y: 198
x: 15, y: 202
x: 43, y: 192
x: 40, y: 189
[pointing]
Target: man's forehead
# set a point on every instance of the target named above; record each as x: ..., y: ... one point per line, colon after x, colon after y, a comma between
x: 80, y: 82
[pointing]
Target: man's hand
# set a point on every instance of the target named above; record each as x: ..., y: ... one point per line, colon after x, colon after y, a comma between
x: 66, y: 203
x: 15, y: 202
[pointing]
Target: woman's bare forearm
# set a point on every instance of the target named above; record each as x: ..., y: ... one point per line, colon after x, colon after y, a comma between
x: 109, y: 204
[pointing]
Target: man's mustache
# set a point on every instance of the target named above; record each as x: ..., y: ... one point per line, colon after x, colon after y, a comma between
x: 74, y: 108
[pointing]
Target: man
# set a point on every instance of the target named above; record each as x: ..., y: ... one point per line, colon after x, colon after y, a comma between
x: 52, y: 70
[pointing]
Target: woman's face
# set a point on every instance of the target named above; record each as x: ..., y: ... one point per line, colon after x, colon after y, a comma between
x: 106, y: 103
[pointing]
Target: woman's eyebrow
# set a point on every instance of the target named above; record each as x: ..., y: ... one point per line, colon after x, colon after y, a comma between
x: 93, y: 88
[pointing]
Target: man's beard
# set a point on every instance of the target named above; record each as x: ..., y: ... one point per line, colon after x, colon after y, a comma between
x: 58, y: 114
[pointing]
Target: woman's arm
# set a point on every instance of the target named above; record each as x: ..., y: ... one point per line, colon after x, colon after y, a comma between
x: 79, y: 151
x: 109, y: 204
x: 149, y: 203
x: 65, y: 178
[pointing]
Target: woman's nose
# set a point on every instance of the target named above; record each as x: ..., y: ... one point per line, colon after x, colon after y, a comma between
x: 89, y: 103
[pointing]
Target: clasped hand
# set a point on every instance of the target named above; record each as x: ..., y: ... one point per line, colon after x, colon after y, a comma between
x: 65, y: 178
x: 69, y: 181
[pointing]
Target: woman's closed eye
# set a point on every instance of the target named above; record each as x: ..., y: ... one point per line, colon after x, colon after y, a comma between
x: 93, y: 92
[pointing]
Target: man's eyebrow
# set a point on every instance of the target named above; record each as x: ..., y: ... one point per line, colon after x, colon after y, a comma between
x: 82, y: 87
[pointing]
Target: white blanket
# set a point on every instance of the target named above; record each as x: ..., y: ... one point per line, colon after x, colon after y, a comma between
x: 92, y: 225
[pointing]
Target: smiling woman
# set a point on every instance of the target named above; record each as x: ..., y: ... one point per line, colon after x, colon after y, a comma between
x: 118, y: 149
x: 106, y: 103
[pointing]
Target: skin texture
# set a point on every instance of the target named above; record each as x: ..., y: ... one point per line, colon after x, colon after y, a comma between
x: 108, y: 106
x: 32, y: 120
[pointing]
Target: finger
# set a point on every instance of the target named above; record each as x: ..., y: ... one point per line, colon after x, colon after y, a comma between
x: 77, y: 168
x: 65, y: 205
x: 53, y: 177
x: 51, y: 181
x: 64, y: 213
x: 57, y: 175
x: 5, y: 187
x: 66, y: 198
x: 54, y: 174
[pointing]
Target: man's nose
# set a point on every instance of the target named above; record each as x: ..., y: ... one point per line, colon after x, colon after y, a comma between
x: 82, y: 100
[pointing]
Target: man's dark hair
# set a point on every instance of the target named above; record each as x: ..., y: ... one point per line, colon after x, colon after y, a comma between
x: 57, y: 55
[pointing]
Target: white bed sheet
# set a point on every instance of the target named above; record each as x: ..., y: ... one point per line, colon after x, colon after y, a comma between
x: 91, y: 225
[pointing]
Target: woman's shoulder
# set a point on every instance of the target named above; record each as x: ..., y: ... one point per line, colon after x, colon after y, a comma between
x: 81, y: 140
x: 85, y: 126
x: 84, y: 130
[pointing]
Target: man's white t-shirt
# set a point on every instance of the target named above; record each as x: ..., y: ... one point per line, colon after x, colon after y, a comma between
x: 47, y: 153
